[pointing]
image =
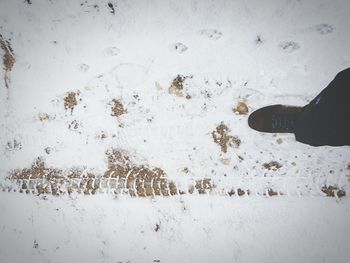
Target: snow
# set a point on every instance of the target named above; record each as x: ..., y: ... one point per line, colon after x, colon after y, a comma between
x: 191, y: 229
x: 256, y: 52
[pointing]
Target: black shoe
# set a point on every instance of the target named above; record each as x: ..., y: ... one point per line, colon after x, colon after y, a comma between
x: 274, y: 118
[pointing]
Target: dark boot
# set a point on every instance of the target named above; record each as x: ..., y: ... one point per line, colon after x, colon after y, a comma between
x: 326, y: 119
x: 274, y: 119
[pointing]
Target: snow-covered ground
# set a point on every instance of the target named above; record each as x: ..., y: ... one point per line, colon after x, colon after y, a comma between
x: 124, y: 133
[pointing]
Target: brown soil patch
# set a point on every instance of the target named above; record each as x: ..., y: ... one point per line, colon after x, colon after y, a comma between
x: 273, y: 165
x: 70, y: 101
x: 271, y: 192
x: 279, y: 141
x: 240, y: 192
x: 176, y: 86
x: 333, y: 191
x: 203, y: 186
x: 117, y: 108
x: 121, y: 177
x: 137, y: 180
x: 224, y: 140
x: 82, y: 182
x: 39, y: 178
x: 241, y: 108
x: 8, y: 59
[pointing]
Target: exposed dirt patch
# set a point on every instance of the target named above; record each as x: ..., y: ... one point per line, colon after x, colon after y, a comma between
x: 8, y: 59
x: 221, y: 137
x: 203, y: 186
x: 333, y: 191
x: 121, y: 177
x: 241, y: 108
x: 39, y: 179
x: 117, y: 108
x: 279, y: 141
x: 271, y: 192
x: 82, y: 182
x: 177, y: 86
x: 70, y: 101
x: 240, y: 192
x: 137, y: 180
x: 273, y: 165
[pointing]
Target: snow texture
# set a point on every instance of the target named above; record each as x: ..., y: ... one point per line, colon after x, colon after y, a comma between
x: 164, y: 83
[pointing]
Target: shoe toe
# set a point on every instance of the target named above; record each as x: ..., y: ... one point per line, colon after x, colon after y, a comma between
x: 256, y: 121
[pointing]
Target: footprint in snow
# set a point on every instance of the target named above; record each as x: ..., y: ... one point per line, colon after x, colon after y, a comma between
x: 324, y: 29
x: 289, y: 46
x: 84, y: 67
x: 112, y: 51
x: 178, y: 48
x: 212, y: 34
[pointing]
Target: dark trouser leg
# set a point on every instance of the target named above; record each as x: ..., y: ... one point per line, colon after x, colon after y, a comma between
x: 326, y: 119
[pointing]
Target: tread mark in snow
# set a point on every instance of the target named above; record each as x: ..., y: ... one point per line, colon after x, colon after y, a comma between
x: 289, y: 46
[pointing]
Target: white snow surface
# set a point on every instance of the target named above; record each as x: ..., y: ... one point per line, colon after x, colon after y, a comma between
x: 259, y: 52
